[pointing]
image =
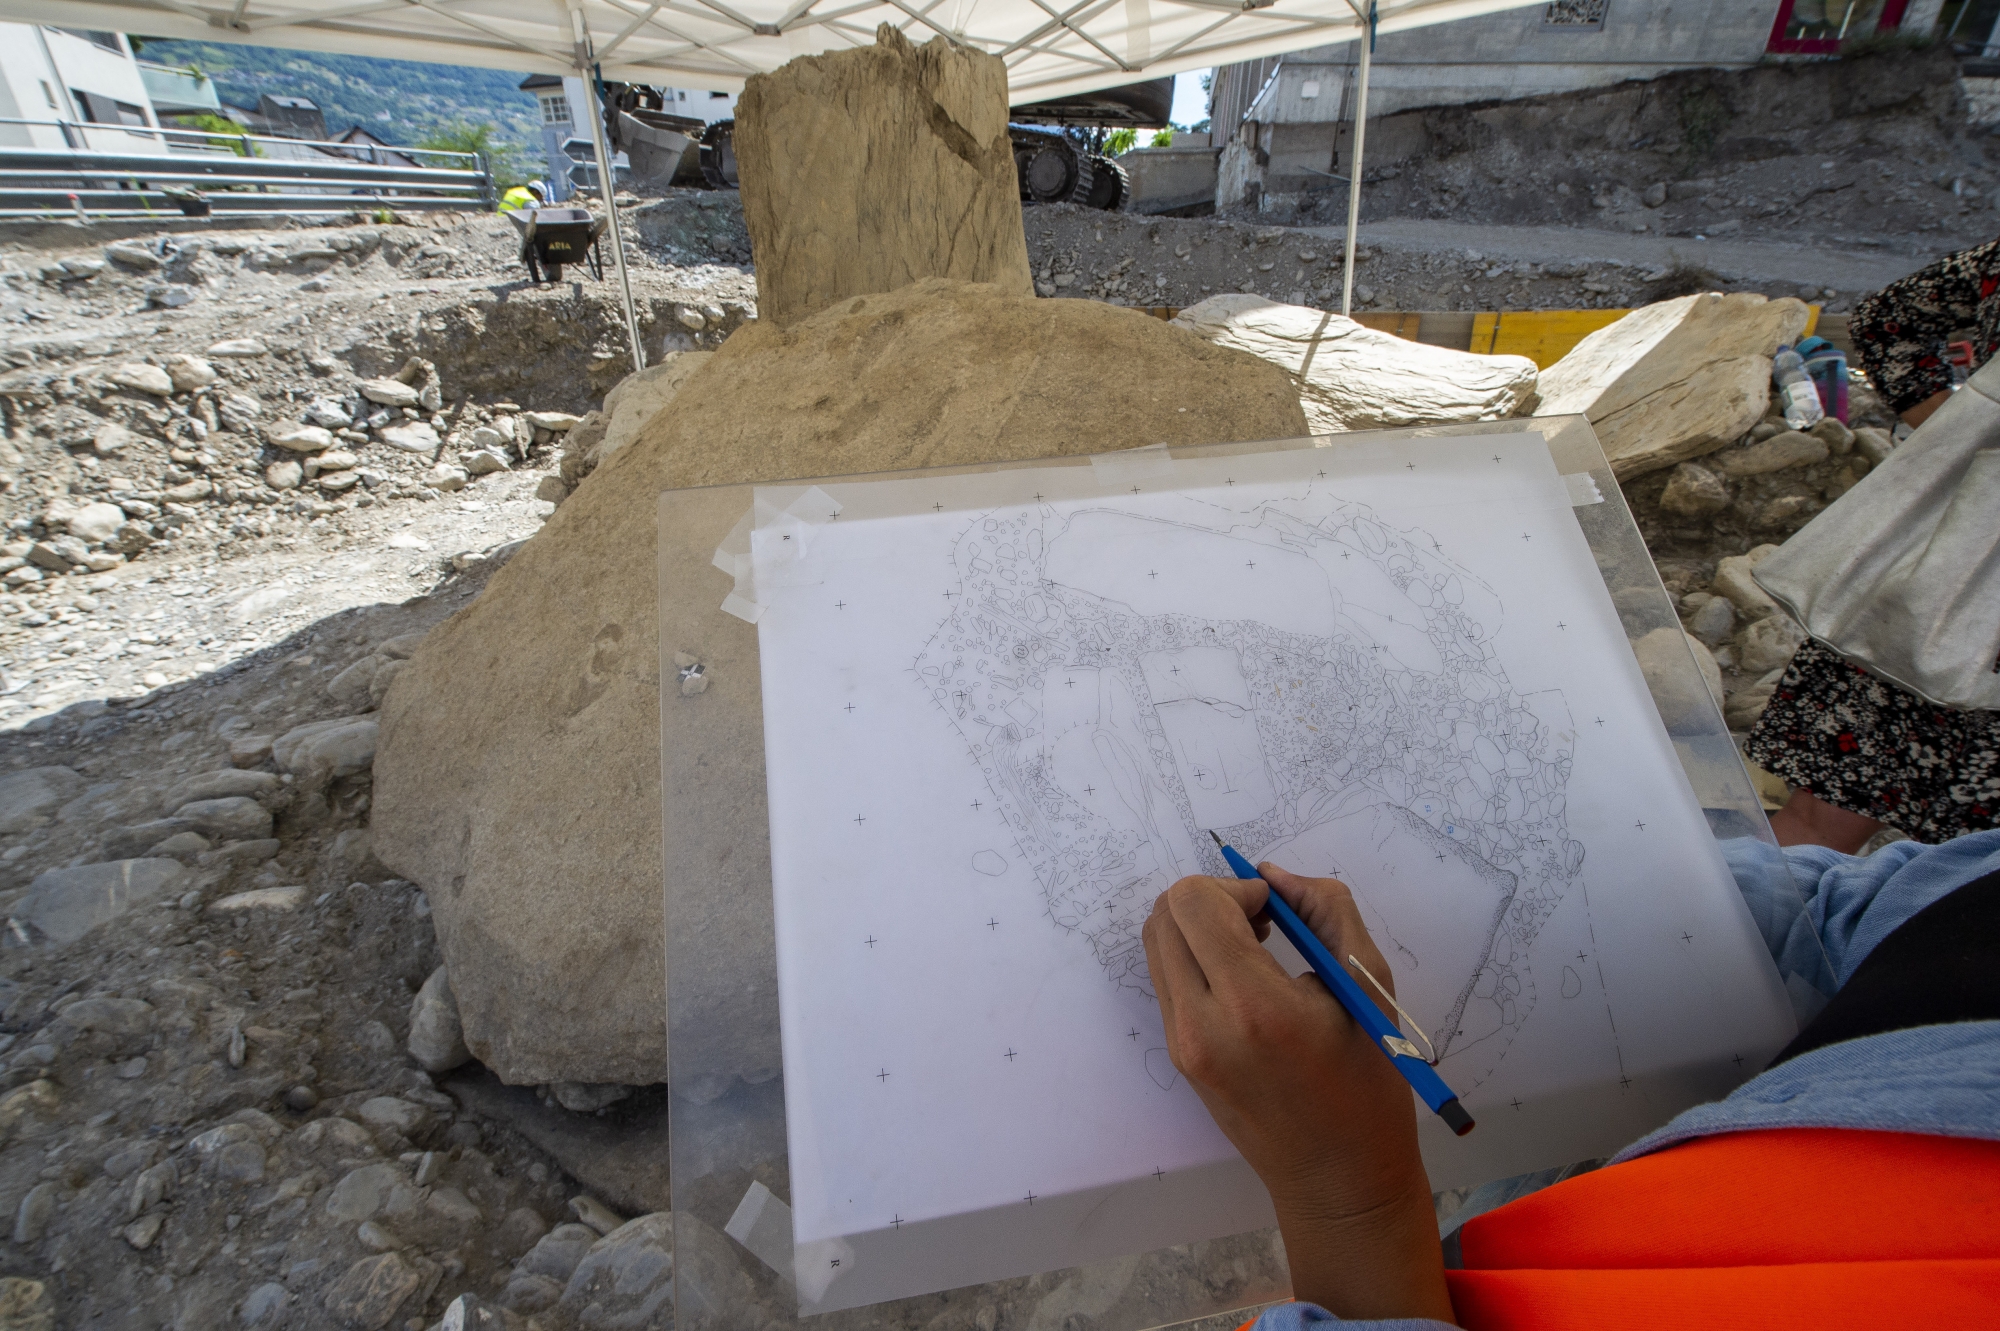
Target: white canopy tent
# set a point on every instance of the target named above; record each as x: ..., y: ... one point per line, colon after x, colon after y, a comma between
x: 1051, y: 47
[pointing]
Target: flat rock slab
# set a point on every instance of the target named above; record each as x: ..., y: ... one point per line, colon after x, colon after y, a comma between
x: 1676, y: 379
x: 620, y: 1155
x: 66, y: 904
x: 535, y: 827
x: 1355, y: 378
x: 30, y: 798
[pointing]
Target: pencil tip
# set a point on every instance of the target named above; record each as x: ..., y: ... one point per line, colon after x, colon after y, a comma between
x: 1214, y: 837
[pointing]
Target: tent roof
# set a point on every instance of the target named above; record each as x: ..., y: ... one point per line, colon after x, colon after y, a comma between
x: 1052, y: 47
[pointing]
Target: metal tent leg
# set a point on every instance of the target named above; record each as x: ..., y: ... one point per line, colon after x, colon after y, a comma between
x: 607, y: 188
x: 1367, y: 40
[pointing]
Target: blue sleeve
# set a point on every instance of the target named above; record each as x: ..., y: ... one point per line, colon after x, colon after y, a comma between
x: 1821, y: 912
x: 1303, y: 1316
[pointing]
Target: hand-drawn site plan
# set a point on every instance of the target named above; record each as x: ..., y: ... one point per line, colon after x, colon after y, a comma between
x: 1328, y: 694
x: 1003, y: 710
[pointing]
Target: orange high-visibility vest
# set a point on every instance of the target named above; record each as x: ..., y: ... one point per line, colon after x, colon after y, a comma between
x: 1798, y: 1227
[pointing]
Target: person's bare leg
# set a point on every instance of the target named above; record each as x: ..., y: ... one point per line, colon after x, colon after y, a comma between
x: 1808, y: 820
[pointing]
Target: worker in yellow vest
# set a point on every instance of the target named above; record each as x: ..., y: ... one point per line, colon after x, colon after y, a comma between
x: 522, y: 198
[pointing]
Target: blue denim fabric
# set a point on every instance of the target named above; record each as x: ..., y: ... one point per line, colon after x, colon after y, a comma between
x: 1300, y: 1316
x: 1935, y: 1080
x: 1850, y: 902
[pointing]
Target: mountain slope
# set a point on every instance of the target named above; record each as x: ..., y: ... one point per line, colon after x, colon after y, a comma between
x: 400, y: 101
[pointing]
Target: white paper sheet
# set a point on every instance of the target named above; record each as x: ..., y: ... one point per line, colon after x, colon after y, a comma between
x: 1000, y: 711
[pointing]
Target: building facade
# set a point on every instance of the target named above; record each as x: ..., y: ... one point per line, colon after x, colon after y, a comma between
x: 72, y: 88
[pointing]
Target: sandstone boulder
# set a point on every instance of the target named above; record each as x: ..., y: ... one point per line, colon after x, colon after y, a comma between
x: 868, y: 169
x: 1355, y: 378
x: 535, y: 828
x: 1676, y: 379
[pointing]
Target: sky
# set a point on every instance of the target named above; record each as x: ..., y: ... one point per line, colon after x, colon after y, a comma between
x: 1190, y: 102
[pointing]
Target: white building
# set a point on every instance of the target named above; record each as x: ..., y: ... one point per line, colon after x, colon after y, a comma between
x: 67, y: 88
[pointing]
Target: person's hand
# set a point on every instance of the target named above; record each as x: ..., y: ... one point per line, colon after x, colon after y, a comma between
x: 1302, y: 1092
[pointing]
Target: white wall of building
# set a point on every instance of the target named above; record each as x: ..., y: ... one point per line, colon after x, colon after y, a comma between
x: 44, y: 71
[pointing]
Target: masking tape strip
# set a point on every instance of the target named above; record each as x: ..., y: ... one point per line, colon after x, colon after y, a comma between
x: 1132, y: 466
x: 763, y: 1224
x: 1582, y: 488
x: 771, y: 529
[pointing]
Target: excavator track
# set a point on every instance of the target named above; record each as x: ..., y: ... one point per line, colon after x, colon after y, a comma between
x: 1110, y: 185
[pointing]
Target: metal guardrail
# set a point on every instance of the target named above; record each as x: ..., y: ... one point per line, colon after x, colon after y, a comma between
x: 200, y: 173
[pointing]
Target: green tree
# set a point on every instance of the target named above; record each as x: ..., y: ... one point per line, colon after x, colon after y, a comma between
x: 1120, y: 141
x: 1165, y: 138
x: 502, y: 159
x: 226, y: 130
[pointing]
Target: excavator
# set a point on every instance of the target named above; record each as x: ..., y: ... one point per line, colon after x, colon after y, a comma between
x: 1058, y: 144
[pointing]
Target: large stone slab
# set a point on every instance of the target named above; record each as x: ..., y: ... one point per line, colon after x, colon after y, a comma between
x: 65, y: 904
x: 1676, y: 379
x: 865, y: 170
x: 1355, y: 378
x: 30, y: 798
x: 534, y: 822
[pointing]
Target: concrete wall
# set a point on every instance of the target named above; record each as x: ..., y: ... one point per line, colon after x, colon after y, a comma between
x: 1518, y: 53
x: 1165, y: 178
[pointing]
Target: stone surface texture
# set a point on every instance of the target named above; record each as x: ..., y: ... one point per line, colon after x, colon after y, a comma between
x: 865, y: 170
x: 1354, y: 378
x: 1676, y: 379
x: 535, y: 828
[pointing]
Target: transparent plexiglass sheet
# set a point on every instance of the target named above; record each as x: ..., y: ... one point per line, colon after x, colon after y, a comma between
x: 732, y: 1176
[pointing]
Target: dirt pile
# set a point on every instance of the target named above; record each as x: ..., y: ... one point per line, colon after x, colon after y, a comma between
x: 537, y: 825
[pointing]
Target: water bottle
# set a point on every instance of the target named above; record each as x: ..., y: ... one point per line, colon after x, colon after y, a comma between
x: 1795, y: 390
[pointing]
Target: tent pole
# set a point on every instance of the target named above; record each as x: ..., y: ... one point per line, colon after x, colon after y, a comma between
x: 1354, y: 166
x: 607, y: 188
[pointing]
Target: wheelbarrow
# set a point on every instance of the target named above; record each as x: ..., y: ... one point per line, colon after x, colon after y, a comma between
x: 552, y: 237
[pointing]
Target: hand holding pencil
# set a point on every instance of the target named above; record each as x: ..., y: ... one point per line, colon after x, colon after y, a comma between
x: 1300, y: 1089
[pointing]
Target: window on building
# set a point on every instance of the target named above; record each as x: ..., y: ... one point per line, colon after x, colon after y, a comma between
x: 108, y: 40
x: 1818, y: 27
x: 555, y: 110
x: 714, y: 95
x: 1575, y: 15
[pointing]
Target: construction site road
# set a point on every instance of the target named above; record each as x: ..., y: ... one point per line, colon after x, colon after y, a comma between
x: 1846, y: 270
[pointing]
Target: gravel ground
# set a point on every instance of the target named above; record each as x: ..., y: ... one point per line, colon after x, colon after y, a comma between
x: 230, y: 1086
x: 1410, y: 264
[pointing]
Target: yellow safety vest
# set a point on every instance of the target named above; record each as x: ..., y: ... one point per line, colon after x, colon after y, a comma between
x: 518, y: 198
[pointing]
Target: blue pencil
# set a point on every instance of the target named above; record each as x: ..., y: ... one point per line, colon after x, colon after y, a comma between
x: 1422, y: 1077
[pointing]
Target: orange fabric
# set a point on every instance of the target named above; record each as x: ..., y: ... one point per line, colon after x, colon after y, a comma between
x: 1798, y: 1227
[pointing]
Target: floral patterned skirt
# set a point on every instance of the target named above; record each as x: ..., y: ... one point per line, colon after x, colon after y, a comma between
x: 1870, y: 747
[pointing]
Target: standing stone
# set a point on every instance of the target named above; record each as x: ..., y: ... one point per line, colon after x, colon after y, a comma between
x: 868, y: 169
x: 437, y: 1041
x: 1676, y: 379
x: 536, y: 828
